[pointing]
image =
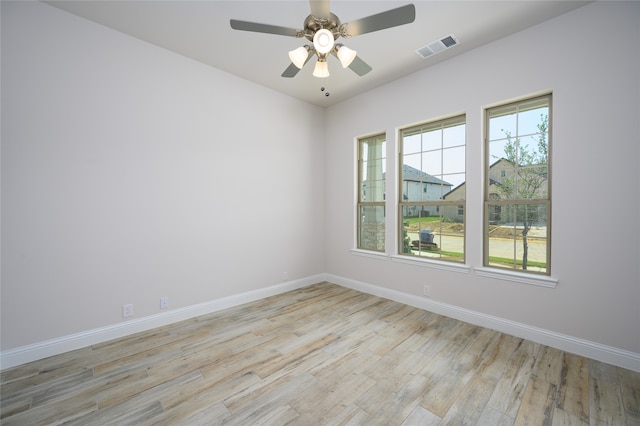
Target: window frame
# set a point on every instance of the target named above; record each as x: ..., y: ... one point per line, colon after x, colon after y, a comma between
x: 426, y: 126
x: 489, y: 198
x: 360, y: 203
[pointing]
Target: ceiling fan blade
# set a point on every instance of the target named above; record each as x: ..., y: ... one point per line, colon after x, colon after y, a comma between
x: 359, y: 66
x: 320, y: 8
x: 390, y: 18
x: 292, y: 70
x: 263, y: 28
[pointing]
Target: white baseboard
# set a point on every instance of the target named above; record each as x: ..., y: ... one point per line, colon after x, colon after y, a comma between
x: 40, y: 350
x: 586, y: 348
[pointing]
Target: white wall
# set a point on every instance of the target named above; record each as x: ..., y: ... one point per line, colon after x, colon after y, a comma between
x: 590, y: 59
x: 131, y: 173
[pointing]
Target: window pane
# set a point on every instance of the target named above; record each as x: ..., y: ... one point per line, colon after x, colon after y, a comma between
x: 453, y: 136
x: 433, y: 231
x: 456, y: 190
x: 412, y: 144
x: 432, y: 162
x: 372, y: 228
x: 501, y: 123
x: 497, y: 151
x: 372, y: 169
x: 408, y: 229
x: 363, y: 171
x: 529, y: 121
x: 502, y: 180
x: 532, y: 150
x: 432, y: 140
x: 414, y: 161
x: 437, y: 191
x: 518, y: 237
x: 453, y: 160
x: 532, y: 182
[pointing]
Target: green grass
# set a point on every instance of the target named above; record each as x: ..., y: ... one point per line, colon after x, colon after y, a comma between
x: 454, y: 255
x: 509, y: 262
x: 413, y: 220
x: 492, y: 259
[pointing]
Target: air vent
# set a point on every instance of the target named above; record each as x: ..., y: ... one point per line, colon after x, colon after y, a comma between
x: 437, y: 46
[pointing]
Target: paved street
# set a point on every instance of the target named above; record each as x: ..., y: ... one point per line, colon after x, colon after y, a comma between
x: 499, y: 247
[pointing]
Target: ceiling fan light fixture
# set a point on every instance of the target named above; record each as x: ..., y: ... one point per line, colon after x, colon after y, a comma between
x: 323, y: 41
x: 299, y: 56
x: 321, y: 70
x: 346, y: 55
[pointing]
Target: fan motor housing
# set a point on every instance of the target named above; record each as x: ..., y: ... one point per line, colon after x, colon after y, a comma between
x: 313, y: 24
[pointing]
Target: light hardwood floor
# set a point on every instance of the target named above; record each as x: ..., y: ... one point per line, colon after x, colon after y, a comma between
x: 321, y: 355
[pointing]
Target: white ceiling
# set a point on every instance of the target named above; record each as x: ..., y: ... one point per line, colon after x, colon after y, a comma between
x: 200, y: 30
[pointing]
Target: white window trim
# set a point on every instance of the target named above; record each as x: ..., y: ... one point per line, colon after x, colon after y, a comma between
x: 369, y: 253
x: 518, y: 277
x: 432, y: 263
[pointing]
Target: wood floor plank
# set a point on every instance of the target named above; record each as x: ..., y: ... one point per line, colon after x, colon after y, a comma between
x: 187, y: 414
x: 538, y: 403
x: 421, y: 416
x: 58, y: 412
x: 573, y: 393
x: 405, y: 401
x: 470, y: 404
x: 201, y: 395
x: 139, y: 407
x: 511, y: 387
x: 630, y: 384
x: 336, y: 392
x: 563, y: 418
x: 493, y: 417
x: 380, y: 394
x: 459, y: 372
x: 350, y: 414
x: 549, y: 366
x: 270, y: 401
x: 325, y: 355
x: 605, y: 403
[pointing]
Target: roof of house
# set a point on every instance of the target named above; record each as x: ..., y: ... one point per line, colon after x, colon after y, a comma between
x: 414, y: 175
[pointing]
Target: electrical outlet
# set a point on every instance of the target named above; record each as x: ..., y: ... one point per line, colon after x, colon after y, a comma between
x: 127, y: 310
x: 164, y: 302
x: 285, y: 276
x: 426, y: 291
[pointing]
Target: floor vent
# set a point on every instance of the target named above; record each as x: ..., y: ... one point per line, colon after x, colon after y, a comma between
x: 437, y: 46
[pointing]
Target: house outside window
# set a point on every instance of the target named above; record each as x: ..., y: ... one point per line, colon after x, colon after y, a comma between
x: 517, y: 186
x: 371, y: 193
x: 432, y: 193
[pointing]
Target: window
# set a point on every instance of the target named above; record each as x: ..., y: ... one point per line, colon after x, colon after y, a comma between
x: 517, y: 186
x: 432, y: 190
x: 371, y: 193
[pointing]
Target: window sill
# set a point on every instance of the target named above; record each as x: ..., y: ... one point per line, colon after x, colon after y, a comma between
x: 371, y: 254
x: 518, y: 277
x: 430, y: 263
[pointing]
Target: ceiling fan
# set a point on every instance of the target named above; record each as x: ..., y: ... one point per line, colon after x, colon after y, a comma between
x: 323, y: 28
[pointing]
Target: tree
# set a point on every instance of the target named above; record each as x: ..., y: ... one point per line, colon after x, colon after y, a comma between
x: 528, y: 180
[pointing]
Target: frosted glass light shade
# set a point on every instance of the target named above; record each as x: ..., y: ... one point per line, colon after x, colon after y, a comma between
x: 299, y: 56
x: 346, y: 56
x: 323, y: 41
x: 321, y: 70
